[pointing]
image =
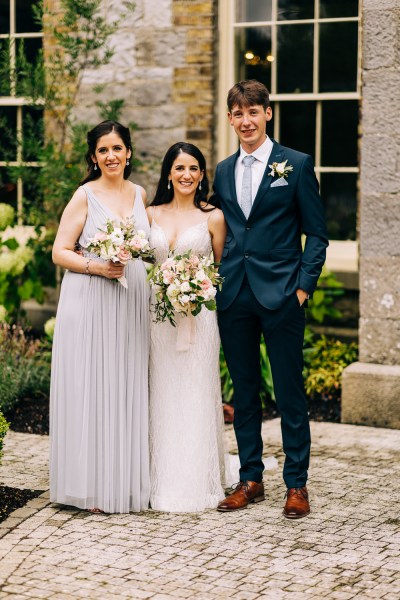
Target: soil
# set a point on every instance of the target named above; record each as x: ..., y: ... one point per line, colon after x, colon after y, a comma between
x: 12, y: 498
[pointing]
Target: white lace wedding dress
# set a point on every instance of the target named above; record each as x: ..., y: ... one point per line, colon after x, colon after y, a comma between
x: 186, y: 418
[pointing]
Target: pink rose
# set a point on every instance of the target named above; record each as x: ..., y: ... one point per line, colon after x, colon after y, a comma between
x: 136, y: 242
x: 206, y: 284
x: 100, y: 236
x: 123, y: 255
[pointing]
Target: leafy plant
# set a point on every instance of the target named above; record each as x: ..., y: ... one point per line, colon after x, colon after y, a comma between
x: 324, y: 364
x: 3, y: 430
x: 321, y: 304
x: 24, y: 368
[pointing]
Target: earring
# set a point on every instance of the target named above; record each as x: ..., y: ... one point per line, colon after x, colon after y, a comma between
x: 95, y: 167
x: 169, y: 184
x: 200, y: 185
x: 127, y: 162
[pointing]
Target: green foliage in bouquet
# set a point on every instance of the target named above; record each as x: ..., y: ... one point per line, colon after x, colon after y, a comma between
x: 3, y: 430
x: 24, y: 368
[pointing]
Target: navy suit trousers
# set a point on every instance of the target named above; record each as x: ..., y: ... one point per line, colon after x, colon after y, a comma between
x: 241, y: 326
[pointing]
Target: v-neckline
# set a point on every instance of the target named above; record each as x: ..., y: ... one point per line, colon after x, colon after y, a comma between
x: 109, y: 209
x: 178, y: 236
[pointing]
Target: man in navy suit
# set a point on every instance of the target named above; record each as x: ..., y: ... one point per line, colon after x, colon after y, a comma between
x: 269, y: 196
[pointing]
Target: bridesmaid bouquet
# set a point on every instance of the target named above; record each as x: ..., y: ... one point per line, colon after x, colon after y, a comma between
x: 183, y: 284
x: 121, y: 243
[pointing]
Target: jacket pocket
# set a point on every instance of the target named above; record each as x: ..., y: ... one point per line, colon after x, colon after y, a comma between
x: 285, y: 253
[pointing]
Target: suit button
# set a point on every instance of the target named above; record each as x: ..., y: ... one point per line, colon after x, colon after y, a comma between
x: 246, y: 256
x: 248, y: 228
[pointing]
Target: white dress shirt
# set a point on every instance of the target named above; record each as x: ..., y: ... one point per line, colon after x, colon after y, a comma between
x: 258, y: 167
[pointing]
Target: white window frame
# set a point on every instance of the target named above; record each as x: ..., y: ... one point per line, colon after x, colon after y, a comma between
x: 19, y: 102
x: 227, y: 142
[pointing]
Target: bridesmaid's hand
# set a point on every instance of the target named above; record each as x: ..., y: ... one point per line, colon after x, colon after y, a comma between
x: 112, y: 270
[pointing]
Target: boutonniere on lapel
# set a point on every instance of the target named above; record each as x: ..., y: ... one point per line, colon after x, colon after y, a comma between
x: 281, y: 170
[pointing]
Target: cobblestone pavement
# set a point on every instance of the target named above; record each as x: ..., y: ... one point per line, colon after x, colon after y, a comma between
x: 349, y: 546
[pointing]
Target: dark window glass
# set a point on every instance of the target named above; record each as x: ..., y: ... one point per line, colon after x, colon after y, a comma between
x: 32, y: 133
x: 338, y: 8
x: 8, y: 189
x: 28, y: 51
x: 253, y: 54
x: 253, y: 10
x: 25, y: 19
x: 339, y: 133
x: 338, y: 57
x: 290, y: 9
x: 5, y: 67
x: 339, y: 193
x: 8, y: 127
x: 295, y: 58
x: 32, y: 200
x: 297, y: 126
x: 4, y: 16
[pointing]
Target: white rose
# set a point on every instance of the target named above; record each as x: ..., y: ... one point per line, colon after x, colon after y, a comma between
x: 185, y: 287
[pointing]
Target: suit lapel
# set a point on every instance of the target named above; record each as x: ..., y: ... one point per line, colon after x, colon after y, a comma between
x: 277, y: 155
x: 232, y: 185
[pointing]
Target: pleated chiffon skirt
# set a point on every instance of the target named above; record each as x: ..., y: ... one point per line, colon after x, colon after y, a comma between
x: 99, y: 393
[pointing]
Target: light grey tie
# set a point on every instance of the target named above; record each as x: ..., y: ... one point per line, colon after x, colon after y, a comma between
x: 245, y: 197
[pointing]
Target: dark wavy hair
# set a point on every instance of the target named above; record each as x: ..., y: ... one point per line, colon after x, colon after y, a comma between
x: 92, y: 138
x: 164, y: 195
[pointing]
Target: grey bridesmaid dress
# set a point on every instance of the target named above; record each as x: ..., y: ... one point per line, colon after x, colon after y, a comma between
x: 99, y: 388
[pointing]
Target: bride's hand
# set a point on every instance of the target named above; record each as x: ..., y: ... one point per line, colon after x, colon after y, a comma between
x: 112, y: 270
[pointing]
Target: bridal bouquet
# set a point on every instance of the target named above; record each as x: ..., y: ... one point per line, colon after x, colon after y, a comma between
x: 183, y: 284
x: 121, y: 243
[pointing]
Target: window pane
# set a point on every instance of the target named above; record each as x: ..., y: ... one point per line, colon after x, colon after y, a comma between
x: 32, y: 133
x: 253, y: 54
x: 339, y: 133
x: 8, y: 189
x: 290, y: 9
x: 339, y: 192
x: 25, y: 21
x: 253, y: 10
x: 8, y: 128
x: 297, y: 126
x: 28, y: 51
x: 4, y: 16
x: 338, y: 61
x: 338, y: 8
x: 5, y: 67
x: 295, y: 58
x: 32, y: 200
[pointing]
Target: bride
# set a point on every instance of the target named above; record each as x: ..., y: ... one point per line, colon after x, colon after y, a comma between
x: 186, y: 420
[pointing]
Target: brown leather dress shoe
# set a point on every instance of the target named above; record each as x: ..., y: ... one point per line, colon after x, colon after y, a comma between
x: 246, y: 492
x: 297, y: 504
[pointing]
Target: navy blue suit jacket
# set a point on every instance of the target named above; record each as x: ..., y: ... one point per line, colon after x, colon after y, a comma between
x: 267, y: 246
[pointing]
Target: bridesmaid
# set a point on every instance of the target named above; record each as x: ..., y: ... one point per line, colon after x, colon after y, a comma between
x: 99, y: 389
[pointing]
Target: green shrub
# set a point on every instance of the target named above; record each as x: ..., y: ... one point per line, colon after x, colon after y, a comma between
x: 324, y: 364
x: 3, y: 430
x: 24, y: 368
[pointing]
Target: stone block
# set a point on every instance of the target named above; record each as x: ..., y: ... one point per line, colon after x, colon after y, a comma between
x: 371, y: 395
x: 164, y: 48
x: 380, y: 287
x: 154, y: 93
x: 159, y: 12
x: 156, y: 142
x: 381, y: 99
x: 380, y: 225
x: 380, y: 39
x: 380, y: 5
x: 379, y: 340
x: 166, y: 116
x: 380, y: 156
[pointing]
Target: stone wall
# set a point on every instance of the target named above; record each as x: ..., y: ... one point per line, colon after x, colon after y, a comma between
x: 379, y: 328
x: 163, y: 68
